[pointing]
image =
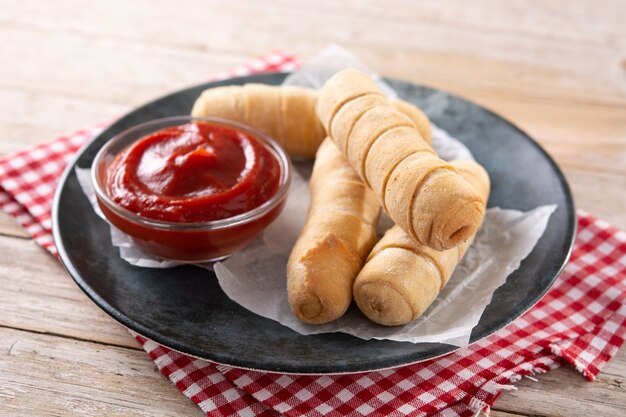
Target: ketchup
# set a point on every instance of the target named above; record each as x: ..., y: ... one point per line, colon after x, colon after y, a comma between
x: 195, y: 172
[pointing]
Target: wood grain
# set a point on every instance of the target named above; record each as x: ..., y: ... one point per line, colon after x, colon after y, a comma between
x: 564, y: 392
x: 8, y: 227
x: 74, y: 31
x: 40, y: 297
x: 54, y: 376
x: 84, y: 68
x: 556, y: 69
x: 481, y: 59
x: 27, y: 117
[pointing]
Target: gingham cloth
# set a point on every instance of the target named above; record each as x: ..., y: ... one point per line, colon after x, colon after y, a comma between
x: 581, y: 321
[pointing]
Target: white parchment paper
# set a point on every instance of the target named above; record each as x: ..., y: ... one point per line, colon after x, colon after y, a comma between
x: 255, y: 277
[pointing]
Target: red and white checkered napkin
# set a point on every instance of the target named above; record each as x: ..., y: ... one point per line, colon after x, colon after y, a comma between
x: 582, y: 321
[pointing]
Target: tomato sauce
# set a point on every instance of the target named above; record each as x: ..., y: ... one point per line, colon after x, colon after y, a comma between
x: 196, y: 172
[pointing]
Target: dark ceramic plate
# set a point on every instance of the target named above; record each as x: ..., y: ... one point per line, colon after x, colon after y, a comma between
x: 185, y: 309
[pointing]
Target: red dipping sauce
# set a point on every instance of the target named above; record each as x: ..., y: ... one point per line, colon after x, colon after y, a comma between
x: 192, y: 173
x: 191, y: 191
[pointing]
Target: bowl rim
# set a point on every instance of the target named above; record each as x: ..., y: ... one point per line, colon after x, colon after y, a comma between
x: 239, y: 219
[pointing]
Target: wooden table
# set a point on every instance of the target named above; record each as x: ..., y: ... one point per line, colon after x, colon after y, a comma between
x: 557, y: 69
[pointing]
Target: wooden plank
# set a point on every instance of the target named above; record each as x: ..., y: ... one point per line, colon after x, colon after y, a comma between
x: 576, y: 134
x: 426, y: 52
x: 37, y: 294
x: 79, y: 378
x: 497, y: 413
x: 106, y: 70
x: 28, y: 117
x: 601, y: 194
x: 564, y: 392
x: 52, y: 376
x: 52, y: 111
x: 8, y: 227
x: 557, y: 21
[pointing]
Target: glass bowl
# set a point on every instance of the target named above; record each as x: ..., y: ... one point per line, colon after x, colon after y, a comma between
x: 188, y: 242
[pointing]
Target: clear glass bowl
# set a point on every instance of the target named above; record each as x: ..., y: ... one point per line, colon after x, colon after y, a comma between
x: 188, y: 242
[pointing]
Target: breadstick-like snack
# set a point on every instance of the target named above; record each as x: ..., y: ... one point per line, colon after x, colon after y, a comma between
x: 286, y: 113
x: 401, y: 278
x: 339, y: 232
x: 423, y: 194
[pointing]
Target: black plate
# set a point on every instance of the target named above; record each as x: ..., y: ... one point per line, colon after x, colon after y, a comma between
x: 185, y: 309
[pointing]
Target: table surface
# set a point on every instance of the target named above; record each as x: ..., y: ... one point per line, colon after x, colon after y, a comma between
x: 557, y: 69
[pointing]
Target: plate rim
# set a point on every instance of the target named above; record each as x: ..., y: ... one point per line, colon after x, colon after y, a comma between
x: 147, y: 333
